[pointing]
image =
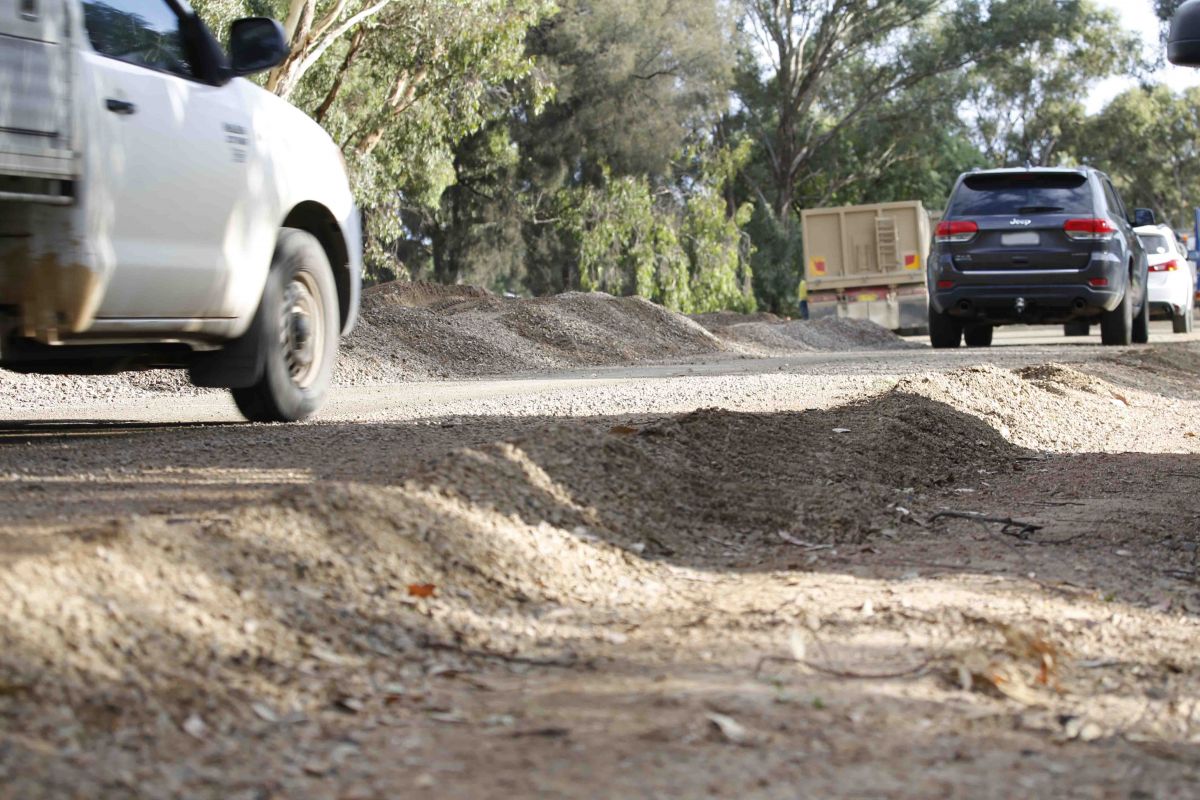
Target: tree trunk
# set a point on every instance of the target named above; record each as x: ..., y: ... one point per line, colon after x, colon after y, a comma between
x: 356, y: 42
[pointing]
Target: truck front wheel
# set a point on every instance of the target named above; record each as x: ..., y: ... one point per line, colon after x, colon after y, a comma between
x: 297, y: 325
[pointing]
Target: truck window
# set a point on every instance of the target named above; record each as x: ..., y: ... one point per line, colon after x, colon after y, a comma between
x: 29, y: 9
x: 142, y: 32
x: 1022, y: 193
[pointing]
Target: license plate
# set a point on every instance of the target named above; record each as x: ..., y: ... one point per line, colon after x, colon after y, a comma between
x: 1023, y: 239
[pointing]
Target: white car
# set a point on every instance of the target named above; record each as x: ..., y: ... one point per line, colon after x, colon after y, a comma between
x: 1172, y: 277
x: 158, y: 210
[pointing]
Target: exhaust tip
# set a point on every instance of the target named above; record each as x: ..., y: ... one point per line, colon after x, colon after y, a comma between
x: 1080, y: 304
x: 964, y: 305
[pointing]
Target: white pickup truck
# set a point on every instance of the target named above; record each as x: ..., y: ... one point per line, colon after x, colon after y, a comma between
x: 159, y: 211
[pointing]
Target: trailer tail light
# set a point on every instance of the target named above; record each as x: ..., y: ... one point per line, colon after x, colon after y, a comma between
x: 1166, y: 266
x: 1090, y: 230
x: 956, y: 232
x: 1098, y: 283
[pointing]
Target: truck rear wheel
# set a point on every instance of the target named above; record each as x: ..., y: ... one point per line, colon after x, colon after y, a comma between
x: 945, y: 332
x: 298, y: 324
x: 1116, y: 326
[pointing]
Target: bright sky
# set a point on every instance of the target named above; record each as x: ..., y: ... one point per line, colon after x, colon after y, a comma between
x: 1139, y: 15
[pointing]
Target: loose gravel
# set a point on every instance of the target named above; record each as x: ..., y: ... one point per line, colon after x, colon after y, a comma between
x: 421, y: 331
x: 642, y: 582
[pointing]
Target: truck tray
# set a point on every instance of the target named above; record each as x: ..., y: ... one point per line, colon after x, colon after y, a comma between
x: 37, y: 158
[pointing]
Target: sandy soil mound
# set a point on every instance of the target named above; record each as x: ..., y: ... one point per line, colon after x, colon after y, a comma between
x: 1173, y: 370
x: 715, y: 588
x: 317, y: 579
x: 1052, y: 407
x: 766, y: 334
x: 320, y: 574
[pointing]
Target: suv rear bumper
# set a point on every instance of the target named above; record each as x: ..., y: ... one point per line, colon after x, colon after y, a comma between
x: 1050, y: 296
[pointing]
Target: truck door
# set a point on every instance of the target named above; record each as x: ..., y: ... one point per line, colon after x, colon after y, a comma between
x: 166, y: 163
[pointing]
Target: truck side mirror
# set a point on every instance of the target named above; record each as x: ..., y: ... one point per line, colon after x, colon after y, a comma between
x: 1143, y: 216
x: 1183, y: 43
x: 255, y: 45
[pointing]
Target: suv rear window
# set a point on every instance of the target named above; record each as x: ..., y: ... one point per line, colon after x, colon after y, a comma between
x: 1155, y: 244
x: 1023, y: 193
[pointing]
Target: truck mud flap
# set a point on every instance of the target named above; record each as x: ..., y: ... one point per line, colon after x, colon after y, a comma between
x: 238, y: 365
x: 904, y: 310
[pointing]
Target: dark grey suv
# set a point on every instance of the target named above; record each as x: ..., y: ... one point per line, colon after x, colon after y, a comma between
x: 1037, y: 246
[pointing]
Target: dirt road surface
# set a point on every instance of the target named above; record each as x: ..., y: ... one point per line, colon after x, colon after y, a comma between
x: 869, y: 574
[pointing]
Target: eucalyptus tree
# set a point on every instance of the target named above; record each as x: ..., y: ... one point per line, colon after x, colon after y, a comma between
x: 397, y: 83
x: 1146, y: 140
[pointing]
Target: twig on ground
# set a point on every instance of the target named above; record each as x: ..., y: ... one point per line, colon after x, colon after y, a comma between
x: 787, y: 537
x: 912, y: 672
x: 1103, y: 663
x: 1012, y: 527
x: 1182, y: 574
x: 563, y: 663
x: 725, y: 544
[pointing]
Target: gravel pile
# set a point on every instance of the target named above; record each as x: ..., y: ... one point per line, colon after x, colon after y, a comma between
x: 824, y: 476
x: 425, y: 331
x: 318, y: 575
x: 768, y: 335
x: 19, y: 391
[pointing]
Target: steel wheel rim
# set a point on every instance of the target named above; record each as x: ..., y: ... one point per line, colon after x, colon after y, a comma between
x: 302, y: 330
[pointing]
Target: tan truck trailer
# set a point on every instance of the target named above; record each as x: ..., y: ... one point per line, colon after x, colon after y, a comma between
x: 868, y: 262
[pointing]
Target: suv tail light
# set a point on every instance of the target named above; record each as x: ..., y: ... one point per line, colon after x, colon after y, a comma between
x: 956, y: 232
x: 1166, y: 266
x: 1090, y: 230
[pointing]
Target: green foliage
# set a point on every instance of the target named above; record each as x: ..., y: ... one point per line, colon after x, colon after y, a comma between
x: 591, y: 191
x: 690, y: 256
x: 868, y: 101
x: 1026, y: 105
x: 665, y: 148
x: 1146, y: 139
x: 1165, y: 9
x: 400, y: 90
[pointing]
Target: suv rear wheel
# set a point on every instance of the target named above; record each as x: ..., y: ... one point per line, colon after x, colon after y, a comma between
x: 945, y: 332
x: 1141, y: 323
x: 979, y: 335
x: 1116, y: 326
